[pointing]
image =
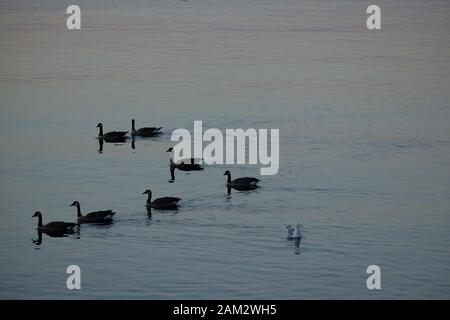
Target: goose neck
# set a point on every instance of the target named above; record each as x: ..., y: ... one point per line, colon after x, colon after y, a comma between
x: 79, y: 215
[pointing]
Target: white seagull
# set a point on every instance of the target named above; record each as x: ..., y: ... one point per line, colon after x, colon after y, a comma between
x: 293, y: 233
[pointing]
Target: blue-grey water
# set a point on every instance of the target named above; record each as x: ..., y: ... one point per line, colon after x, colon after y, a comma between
x: 364, y: 148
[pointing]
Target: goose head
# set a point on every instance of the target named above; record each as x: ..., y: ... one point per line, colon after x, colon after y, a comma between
x: 227, y: 173
x: 75, y: 203
x: 99, y: 125
x: 37, y: 214
x: 148, y: 191
x: 169, y: 150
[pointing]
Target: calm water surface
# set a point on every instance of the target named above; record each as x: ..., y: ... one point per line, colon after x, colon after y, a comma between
x: 364, y: 148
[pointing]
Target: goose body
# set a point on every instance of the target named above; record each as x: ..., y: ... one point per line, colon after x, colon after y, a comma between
x: 241, y: 183
x: 112, y: 136
x: 186, y: 164
x: 144, y: 132
x: 54, y: 226
x: 93, y: 217
x: 161, y: 203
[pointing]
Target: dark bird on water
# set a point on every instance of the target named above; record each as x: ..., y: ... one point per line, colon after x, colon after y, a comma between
x: 113, y: 136
x: 241, y: 183
x: 144, y: 132
x: 55, y: 226
x: 161, y: 203
x: 186, y: 164
x: 93, y: 217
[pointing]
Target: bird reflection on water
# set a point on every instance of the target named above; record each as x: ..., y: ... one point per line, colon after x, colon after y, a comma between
x: 297, y: 245
x: 74, y: 233
x: 294, y: 234
x: 53, y: 234
x: 100, y: 145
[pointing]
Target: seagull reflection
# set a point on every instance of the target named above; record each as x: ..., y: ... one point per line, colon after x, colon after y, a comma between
x: 295, y: 234
x: 297, y: 245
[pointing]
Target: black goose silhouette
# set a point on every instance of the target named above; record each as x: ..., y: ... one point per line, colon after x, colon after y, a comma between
x: 54, y: 227
x: 144, y: 132
x: 113, y: 136
x: 165, y: 203
x: 185, y: 164
x: 241, y: 184
x: 104, y: 216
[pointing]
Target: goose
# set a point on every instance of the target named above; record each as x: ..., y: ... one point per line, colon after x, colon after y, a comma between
x: 161, y: 203
x: 55, y: 226
x: 144, y: 132
x: 192, y: 166
x: 293, y: 233
x: 93, y: 217
x: 113, y: 136
x: 241, y: 183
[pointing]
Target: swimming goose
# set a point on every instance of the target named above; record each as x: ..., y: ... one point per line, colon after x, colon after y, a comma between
x: 144, y: 132
x: 55, y: 226
x: 241, y: 183
x: 93, y: 217
x: 113, y: 136
x: 161, y: 203
x: 190, y: 166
